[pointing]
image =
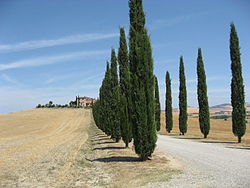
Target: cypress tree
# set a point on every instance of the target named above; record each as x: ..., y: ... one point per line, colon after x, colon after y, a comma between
x: 105, y: 103
x: 237, y: 87
x: 202, y: 96
x: 142, y: 83
x: 114, y: 100
x: 96, y: 113
x: 157, y: 106
x: 168, y: 109
x: 125, y: 101
x: 182, y: 99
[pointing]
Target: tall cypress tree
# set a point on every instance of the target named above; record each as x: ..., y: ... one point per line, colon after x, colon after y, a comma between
x: 96, y: 113
x: 157, y: 106
x: 237, y: 87
x: 125, y: 101
x: 168, y: 109
x: 182, y: 99
x: 104, y: 104
x: 202, y: 96
x: 114, y: 100
x: 142, y: 83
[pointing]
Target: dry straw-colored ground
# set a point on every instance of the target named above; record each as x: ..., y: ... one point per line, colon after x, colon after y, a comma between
x: 64, y: 148
x: 220, y: 130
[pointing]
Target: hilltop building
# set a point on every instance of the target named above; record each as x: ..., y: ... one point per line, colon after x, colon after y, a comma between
x: 84, y: 101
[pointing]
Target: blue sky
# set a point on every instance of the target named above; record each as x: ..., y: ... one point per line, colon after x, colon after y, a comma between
x: 55, y: 50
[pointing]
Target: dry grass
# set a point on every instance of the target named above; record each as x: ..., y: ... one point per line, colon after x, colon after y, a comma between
x: 220, y: 130
x: 122, y: 165
x: 40, y: 145
x: 64, y: 148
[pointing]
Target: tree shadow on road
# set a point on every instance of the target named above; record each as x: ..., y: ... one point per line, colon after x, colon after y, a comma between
x: 189, y: 138
x: 107, y: 142
x: 218, y: 142
x: 118, y: 159
x: 109, y: 147
x: 244, y: 148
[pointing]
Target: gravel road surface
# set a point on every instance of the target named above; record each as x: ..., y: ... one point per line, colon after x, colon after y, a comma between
x: 207, y: 165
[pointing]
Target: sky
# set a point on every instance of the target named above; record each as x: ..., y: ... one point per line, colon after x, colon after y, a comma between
x: 55, y: 50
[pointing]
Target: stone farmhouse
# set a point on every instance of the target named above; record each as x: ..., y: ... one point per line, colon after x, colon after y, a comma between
x: 84, y: 101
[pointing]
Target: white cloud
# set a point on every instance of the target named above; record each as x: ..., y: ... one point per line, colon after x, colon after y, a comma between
x: 170, y: 22
x: 8, y: 79
x: 176, y: 20
x: 45, y: 60
x: 58, y: 78
x: 190, y: 81
x: 90, y: 76
x: 29, y: 45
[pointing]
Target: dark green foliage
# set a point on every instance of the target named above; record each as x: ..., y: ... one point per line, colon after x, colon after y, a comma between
x: 39, y: 106
x: 125, y: 88
x: 114, y: 100
x: 168, y: 109
x: 157, y: 106
x: 220, y: 117
x: 97, y: 113
x: 202, y: 96
x: 182, y: 99
x: 237, y: 87
x: 104, y: 108
x: 142, y: 83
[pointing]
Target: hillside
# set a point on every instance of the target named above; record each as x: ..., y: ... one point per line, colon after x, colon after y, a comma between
x: 226, y: 107
x: 64, y: 148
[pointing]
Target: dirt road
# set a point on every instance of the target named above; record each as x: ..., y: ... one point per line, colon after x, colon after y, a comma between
x: 39, y: 147
x: 207, y: 165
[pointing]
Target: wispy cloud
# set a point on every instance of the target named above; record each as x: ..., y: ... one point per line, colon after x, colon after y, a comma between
x: 92, y: 76
x: 58, y: 78
x: 176, y: 20
x: 8, y: 79
x: 168, y: 23
x: 45, y: 60
x: 190, y: 81
x: 34, y: 44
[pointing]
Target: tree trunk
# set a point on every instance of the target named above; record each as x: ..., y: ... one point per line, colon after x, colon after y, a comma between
x: 143, y: 158
x: 126, y: 144
x: 205, y: 136
x: 239, y: 139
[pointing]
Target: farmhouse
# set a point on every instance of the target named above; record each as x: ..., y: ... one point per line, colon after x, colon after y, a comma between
x: 84, y: 101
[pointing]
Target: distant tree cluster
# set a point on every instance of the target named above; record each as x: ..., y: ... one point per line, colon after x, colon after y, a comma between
x: 128, y: 108
x: 237, y: 94
x: 52, y: 105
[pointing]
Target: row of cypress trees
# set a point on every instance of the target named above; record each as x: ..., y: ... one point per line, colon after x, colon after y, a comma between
x: 129, y: 107
x: 237, y: 94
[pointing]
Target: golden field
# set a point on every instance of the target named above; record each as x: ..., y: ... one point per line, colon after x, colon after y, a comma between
x: 219, y: 128
x: 64, y: 148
